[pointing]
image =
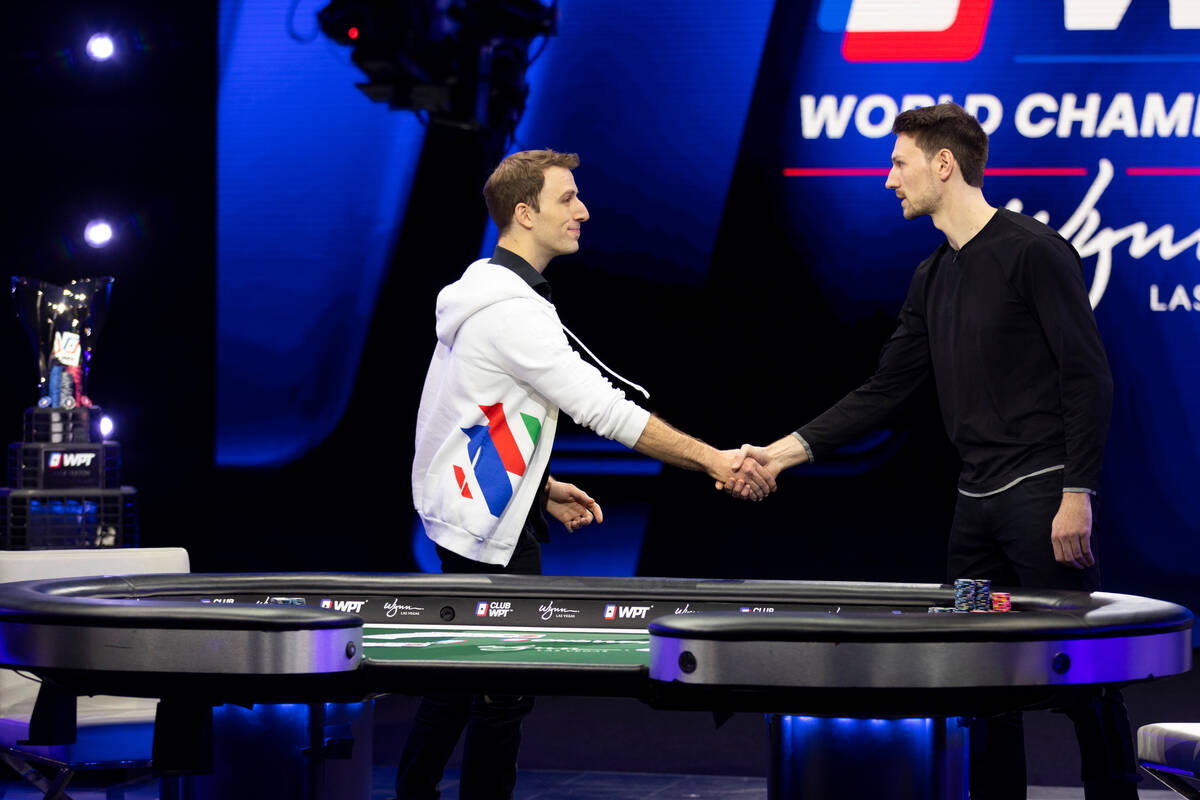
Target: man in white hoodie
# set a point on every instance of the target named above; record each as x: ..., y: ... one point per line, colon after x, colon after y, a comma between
x: 501, y: 370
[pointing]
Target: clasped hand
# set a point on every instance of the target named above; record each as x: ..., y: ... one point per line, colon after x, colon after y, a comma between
x: 750, y: 474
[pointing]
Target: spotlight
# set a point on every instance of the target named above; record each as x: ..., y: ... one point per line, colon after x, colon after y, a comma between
x: 106, y: 427
x: 98, y: 233
x: 100, y: 47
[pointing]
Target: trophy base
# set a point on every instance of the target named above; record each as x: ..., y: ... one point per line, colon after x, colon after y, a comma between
x: 46, y: 465
x: 42, y: 519
x: 61, y: 425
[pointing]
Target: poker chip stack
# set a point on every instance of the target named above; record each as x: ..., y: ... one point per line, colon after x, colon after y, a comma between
x: 1001, y: 601
x: 983, y: 595
x: 964, y: 595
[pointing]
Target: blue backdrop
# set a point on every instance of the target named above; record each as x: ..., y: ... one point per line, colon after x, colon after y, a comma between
x: 314, y: 178
x: 1093, y: 119
x: 1091, y: 105
x: 312, y: 183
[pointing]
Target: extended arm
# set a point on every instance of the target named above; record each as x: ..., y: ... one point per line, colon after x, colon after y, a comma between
x: 772, y: 459
x: 904, y: 365
x: 531, y: 346
x: 659, y: 440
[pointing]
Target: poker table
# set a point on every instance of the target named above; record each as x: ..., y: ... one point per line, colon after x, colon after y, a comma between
x: 832, y: 662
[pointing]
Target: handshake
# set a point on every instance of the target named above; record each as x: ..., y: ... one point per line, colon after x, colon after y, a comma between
x: 748, y: 472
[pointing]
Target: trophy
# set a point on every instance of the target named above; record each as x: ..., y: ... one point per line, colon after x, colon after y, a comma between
x: 62, y: 323
x: 64, y: 476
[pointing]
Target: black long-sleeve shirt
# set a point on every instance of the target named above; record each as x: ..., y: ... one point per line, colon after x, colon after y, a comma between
x: 1005, y: 327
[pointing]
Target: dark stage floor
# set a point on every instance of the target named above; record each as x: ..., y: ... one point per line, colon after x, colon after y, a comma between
x: 568, y: 785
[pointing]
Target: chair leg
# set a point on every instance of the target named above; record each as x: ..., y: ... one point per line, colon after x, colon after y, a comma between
x: 1174, y: 782
x: 58, y: 786
x: 25, y: 770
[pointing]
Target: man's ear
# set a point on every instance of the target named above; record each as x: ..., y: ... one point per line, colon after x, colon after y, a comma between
x: 523, y: 216
x: 944, y: 162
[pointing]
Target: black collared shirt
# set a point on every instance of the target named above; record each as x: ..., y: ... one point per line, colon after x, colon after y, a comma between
x: 535, y: 523
x: 536, y: 280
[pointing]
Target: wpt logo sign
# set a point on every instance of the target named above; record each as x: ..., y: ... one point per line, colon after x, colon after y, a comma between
x: 953, y: 30
x: 59, y: 460
x: 907, y: 30
x: 1107, y: 15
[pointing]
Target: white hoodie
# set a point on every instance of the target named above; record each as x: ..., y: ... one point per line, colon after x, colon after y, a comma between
x: 501, y: 370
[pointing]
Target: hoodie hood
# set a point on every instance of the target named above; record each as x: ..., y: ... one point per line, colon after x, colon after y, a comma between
x: 481, y: 285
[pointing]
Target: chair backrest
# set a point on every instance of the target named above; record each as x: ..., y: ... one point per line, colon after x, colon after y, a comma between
x: 27, y: 565
x: 17, y: 693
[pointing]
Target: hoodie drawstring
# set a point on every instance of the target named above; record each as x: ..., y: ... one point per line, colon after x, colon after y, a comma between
x: 607, y: 369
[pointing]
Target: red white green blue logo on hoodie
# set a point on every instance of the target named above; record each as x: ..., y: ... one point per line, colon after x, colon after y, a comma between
x: 494, y: 454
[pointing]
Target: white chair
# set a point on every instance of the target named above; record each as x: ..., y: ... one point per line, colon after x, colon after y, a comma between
x: 113, y: 733
x: 1170, y: 751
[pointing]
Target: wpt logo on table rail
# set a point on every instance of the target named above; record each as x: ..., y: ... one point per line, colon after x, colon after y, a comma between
x: 907, y: 30
x: 614, y: 611
x: 493, y: 609
x: 494, y: 453
x: 351, y: 606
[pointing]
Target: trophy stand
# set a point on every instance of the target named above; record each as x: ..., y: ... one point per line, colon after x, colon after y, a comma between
x: 64, y: 477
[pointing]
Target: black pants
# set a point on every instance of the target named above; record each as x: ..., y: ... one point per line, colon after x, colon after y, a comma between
x: 1006, y: 538
x: 492, y: 722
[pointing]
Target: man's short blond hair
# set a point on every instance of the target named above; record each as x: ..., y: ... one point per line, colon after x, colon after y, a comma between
x: 519, y: 179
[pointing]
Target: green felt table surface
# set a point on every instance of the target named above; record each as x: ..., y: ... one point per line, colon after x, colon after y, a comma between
x: 478, y: 644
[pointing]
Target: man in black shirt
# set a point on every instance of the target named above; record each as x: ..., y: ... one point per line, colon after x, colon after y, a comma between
x: 999, y: 317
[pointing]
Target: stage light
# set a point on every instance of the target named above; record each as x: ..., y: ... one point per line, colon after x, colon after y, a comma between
x: 106, y: 427
x: 98, y: 233
x: 352, y: 33
x: 100, y: 47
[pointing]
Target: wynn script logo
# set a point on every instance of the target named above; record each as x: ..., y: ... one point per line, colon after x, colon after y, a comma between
x: 1082, y: 229
x: 551, y: 611
x: 395, y: 607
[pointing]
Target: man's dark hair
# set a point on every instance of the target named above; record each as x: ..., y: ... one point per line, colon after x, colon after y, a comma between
x: 948, y: 125
x: 519, y: 179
